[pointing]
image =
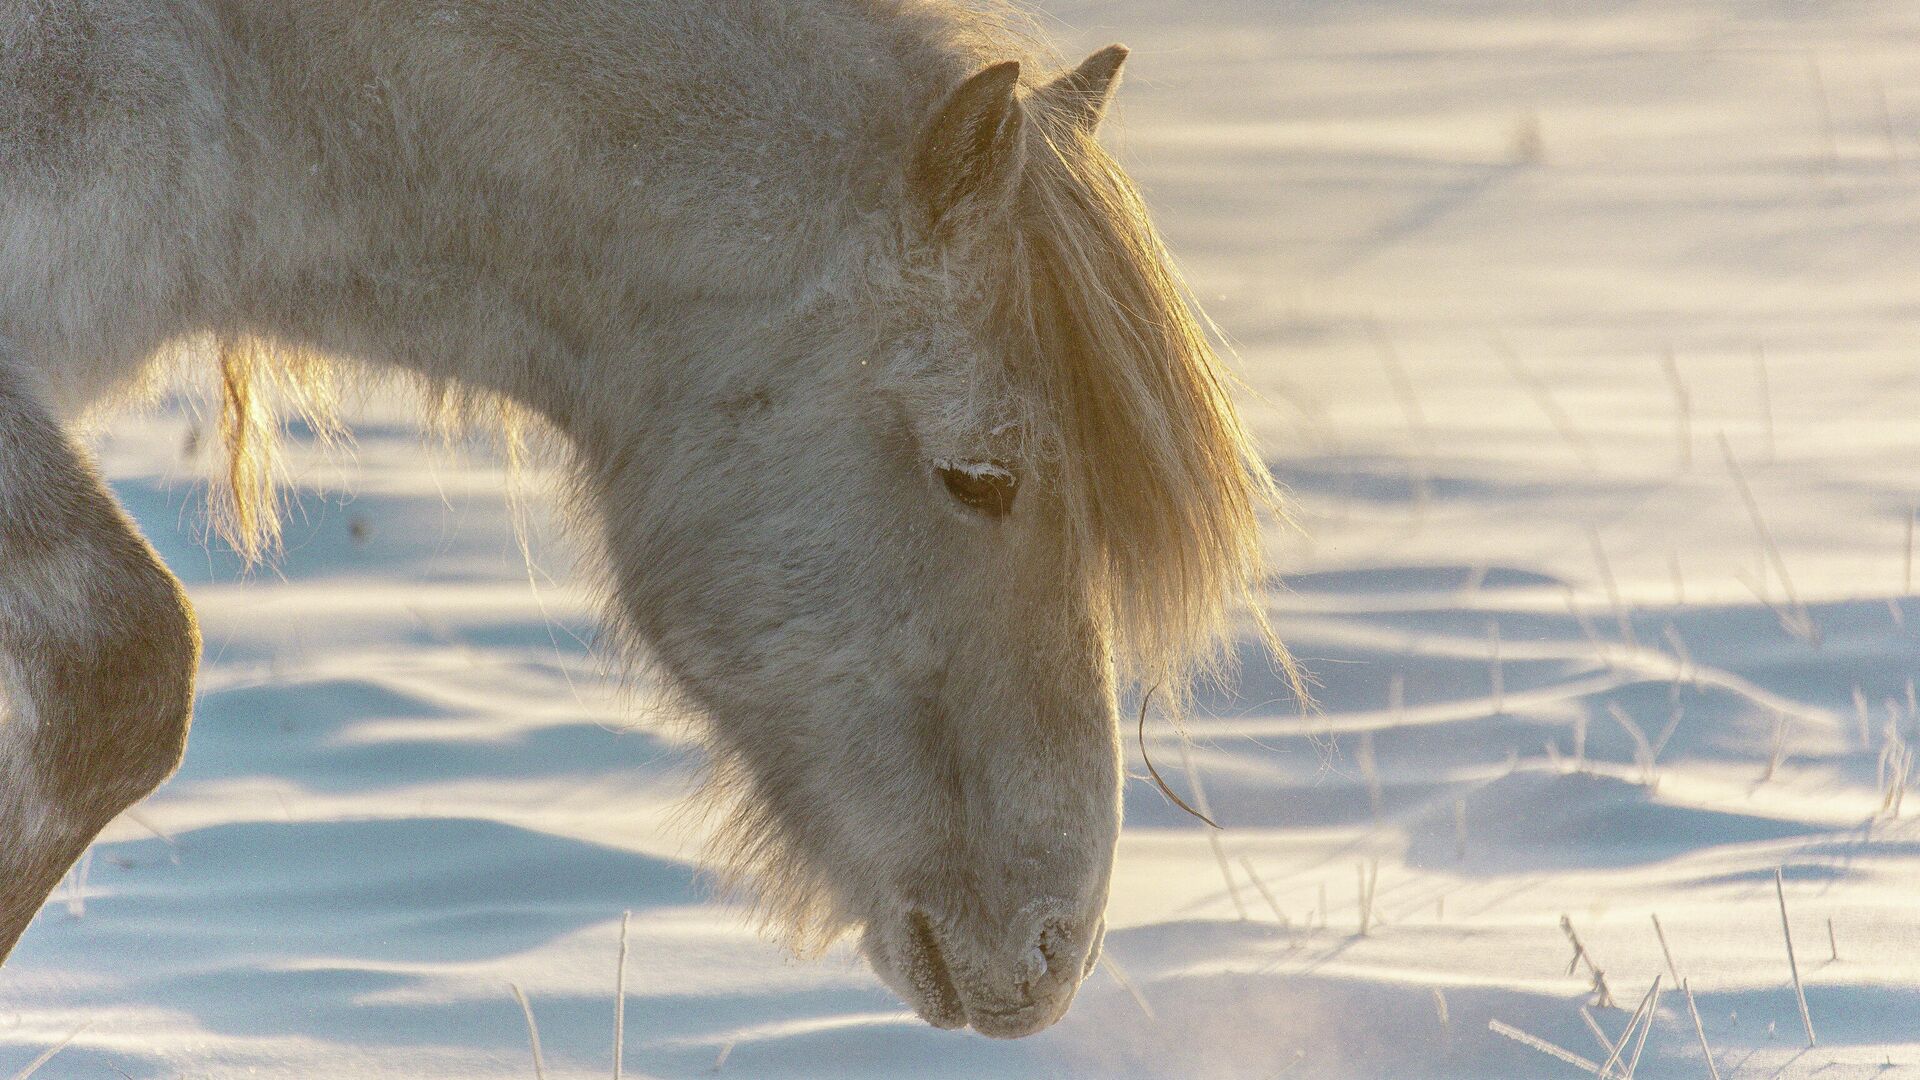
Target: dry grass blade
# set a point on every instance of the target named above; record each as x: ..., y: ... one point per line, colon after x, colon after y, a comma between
x: 1643, y: 751
x: 1666, y: 733
x: 1543, y: 397
x: 1661, y: 933
x: 1603, y: 995
x: 620, y: 999
x: 1802, y: 624
x: 1369, y: 881
x: 1632, y: 1022
x: 1685, y: 671
x: 34, y: 1065
x: 1495, y: 676
x: 1799, y: 992
x: 1612, y: 587
x: 1120, y: 976
x: 1213, y: 838
x: 1778, y: 755
x: 1265, y: 893
x: 1369, y: 770
x: 1646, y: 1028
x: 1613, y: 1048
x: 1542, y: 1045
x: 533, y: 1033
x: 1700, y: 1030
x: 1682, y: 407
x: 1599, y: 1034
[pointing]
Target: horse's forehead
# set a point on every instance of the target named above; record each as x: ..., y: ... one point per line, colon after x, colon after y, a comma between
x: 958, y: 391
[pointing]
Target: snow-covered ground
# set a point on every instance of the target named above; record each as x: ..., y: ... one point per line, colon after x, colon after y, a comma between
x: 1526, y: 293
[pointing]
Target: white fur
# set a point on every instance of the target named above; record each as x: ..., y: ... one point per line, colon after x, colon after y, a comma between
x: 754, y: 266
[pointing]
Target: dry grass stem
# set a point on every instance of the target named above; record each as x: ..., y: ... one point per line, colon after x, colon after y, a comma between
x: 1369, y: 770
x: 1799, y: 991
x: 46, y: 1056
x: 1805, y: 626
x: 1495, y: 677
x: 1778, y: 754
x: 1682, y: 408
x: 1896, y: 763
x: 1632, y: 1022
x: 1369, y: 880
x: 1603, y: 996
x: 1265, y: 893
x: 1685, y: 671
x: 1542, y: 1045
x: 1599, y: 1033
x: 1646, y: 1028
x: 1600, y: 650
x: 1543, y: 397
x: 1205, y: 813
x: 1613, y: 588
x: 1119, y: 975
x: 1700, y: 1029
x: 1643, y: 752
x: 620, y: 999
x: 1661, y: 933
x: 533, y: 1033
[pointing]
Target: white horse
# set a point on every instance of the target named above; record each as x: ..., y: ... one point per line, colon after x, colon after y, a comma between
x: 897, y: 438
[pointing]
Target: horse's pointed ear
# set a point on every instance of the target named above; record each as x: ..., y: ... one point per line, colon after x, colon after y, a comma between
x: 972, y: 153
x: 1082, y: 94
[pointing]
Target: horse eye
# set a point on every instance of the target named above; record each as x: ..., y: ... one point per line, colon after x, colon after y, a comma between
x: 984, y: 486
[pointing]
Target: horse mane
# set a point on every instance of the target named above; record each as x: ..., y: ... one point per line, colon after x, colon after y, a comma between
x: 1160, y: 481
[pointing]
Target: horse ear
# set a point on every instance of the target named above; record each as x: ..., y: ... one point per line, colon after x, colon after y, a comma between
x: 972, y: 153
x: 1082, y: 94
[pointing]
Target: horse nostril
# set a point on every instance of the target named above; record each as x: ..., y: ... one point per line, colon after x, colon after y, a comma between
x: 1046, y: 960
x: 926, y: 968
x: 1034, y: 965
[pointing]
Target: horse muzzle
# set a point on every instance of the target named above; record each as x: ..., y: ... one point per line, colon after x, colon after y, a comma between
x: 1005, y: 985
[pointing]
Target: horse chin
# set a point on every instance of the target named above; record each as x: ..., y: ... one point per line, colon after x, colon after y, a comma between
x: 932, y: 971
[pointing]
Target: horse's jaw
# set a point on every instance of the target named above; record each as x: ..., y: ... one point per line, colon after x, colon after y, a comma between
x: 1012, y: 986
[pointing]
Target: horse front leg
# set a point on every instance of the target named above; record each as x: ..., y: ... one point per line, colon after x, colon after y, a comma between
x: 97, y: 655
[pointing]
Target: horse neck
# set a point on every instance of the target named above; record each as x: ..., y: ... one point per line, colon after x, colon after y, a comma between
x: 541, y: 198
